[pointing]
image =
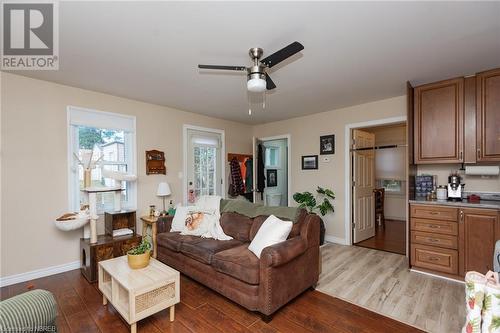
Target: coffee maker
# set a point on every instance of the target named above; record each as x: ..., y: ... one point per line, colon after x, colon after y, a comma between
x: 455, y: 188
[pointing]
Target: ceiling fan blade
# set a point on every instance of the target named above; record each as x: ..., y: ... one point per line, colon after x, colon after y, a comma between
x: 269, y: 83
x: 227, y: 68
x: 282, y: 54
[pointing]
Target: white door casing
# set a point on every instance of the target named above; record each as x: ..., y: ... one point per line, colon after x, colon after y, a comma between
x: 188, y: 163
x: 363, y: 158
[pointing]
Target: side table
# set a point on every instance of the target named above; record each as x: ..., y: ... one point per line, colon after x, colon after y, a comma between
x: 146, y: 222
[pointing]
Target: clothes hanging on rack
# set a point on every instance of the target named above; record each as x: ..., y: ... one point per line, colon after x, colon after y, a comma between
x: 261, y: 178
x: 236, y: 187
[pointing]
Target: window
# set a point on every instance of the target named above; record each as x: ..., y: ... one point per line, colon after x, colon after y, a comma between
x: 109, y: 139
x: 203, y: 164
x: 272, y: 157
x: 392, y: 186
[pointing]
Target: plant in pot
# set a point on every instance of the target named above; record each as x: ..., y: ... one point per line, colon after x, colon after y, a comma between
x: 308, y: 201
x: 138, y: 257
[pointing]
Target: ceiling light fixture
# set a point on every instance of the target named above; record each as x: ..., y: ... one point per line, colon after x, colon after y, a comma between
x: 256, y: 80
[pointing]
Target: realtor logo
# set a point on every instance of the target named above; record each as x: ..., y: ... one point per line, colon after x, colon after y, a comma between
x: 30, y: 36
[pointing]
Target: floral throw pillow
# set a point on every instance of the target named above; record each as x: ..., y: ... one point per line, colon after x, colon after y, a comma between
x: 474, y: 296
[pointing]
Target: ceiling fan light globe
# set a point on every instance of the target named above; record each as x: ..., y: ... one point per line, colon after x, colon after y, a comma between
x: 256, y: 85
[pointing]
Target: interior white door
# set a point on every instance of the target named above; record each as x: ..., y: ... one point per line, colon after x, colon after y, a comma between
x: 363, y: 175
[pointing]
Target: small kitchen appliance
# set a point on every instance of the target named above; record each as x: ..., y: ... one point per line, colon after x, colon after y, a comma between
x: 455, y: 188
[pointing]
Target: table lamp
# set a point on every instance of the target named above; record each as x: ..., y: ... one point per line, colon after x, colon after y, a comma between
x: 163, y: 191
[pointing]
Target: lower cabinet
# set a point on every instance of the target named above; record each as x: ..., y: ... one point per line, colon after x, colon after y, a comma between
x: 479, y: 230
x: 453, y: 240
x: 435, y: 258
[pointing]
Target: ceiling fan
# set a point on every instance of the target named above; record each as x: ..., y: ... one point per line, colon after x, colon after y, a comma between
x: 257, y: 78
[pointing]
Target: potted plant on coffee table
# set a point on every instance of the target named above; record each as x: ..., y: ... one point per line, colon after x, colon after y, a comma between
x: 308, y: 201
x: 138, y: 257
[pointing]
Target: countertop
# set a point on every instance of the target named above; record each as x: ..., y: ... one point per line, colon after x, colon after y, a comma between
x: 491, y: 204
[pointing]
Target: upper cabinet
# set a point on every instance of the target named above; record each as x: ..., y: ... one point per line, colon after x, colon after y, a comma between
x: 438, y: 116
x: 458, y: 120
x: 488, y: 116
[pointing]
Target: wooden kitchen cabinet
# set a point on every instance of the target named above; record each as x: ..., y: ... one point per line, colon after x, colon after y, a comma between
x: 479, y: 229
x: 488, y: 116
x: 452, y: 240
x: 439, y: 122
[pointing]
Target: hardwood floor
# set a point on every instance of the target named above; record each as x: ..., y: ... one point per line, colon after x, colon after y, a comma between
x: 380, y: 281
x: 391, y: 238
x: 80, y: 309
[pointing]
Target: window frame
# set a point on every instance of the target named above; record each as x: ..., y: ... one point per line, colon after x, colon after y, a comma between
x: 93, y: 117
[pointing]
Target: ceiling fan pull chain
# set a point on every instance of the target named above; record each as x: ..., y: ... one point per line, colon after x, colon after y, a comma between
x: 264, y: 100
x: 249, y: 105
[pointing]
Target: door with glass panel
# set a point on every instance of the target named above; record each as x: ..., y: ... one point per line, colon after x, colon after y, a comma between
x: 203, y: 163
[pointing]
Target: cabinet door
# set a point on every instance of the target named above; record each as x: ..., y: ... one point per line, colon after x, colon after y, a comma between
x: 439, y: 122
x: 480, y: 232
x: 488, y: 116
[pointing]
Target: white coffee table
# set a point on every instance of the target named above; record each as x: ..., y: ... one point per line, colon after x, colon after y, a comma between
x: 138, y: 293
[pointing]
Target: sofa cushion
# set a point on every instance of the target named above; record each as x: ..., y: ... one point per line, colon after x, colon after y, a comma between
x: 236, y: 225
x: 173, y: 240
x: 238, y: 262
x: 203, y: 249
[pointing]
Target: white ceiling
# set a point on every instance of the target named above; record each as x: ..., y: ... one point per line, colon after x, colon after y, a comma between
x: 354, y: 52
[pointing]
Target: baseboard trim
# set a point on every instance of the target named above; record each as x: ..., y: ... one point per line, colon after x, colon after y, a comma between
x: 38, y: 273
x: 336, y: 240
x: 436, y: 275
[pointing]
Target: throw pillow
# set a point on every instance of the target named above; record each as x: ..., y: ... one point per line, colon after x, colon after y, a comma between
x: 271, y: 232
x: 198, y: 223
x: 179, y: 220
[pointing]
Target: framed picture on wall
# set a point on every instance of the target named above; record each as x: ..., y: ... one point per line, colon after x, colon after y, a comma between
x: 310, y: 162
x: 272, y: 178
x: 327, y: 144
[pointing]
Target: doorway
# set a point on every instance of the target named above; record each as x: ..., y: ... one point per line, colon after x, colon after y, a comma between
x: 272, y: 178
x: 378, y: 187
x: 203, y: 162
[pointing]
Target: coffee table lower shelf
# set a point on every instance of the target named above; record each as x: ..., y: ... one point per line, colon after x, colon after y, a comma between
x: 137, y: 294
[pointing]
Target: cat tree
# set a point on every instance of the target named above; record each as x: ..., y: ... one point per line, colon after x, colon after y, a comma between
x: 88, y: 218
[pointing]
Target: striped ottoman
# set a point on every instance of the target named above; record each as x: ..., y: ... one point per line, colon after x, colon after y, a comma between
x: 33, y: 311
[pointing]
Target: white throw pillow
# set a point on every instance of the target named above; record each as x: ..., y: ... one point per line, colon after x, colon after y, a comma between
x: 271, y: 232
x: 179, y: 220
x: 198, y: 222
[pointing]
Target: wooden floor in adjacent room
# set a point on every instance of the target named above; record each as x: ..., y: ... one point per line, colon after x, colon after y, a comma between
x: 390, y: 238
x: 381, y: 281
x: 202, y: 310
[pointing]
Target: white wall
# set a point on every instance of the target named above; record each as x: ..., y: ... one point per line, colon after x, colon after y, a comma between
x: 305, y: 132
x: 34, y: 162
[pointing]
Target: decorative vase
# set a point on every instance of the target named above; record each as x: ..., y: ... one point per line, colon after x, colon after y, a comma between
x: 87, y: 178
x: 137, y: 261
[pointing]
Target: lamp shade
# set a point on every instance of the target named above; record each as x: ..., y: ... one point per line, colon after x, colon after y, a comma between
x: 163, y: 189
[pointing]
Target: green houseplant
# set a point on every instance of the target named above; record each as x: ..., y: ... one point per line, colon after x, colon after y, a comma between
x: 310, y: 202
x: 138, y: 257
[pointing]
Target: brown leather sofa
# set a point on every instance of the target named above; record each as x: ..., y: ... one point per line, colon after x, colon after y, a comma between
x: 284, y: 270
